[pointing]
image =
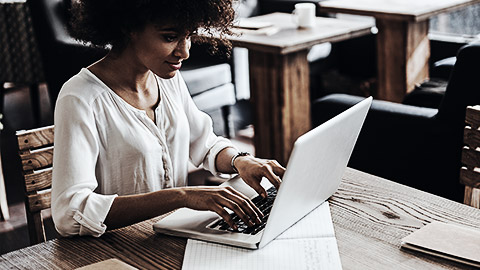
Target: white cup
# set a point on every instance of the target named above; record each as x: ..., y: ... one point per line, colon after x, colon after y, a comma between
x: 304, y: 15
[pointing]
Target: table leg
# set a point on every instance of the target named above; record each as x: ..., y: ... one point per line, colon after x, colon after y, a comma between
x: 279, y: 86
x: 403, y: 51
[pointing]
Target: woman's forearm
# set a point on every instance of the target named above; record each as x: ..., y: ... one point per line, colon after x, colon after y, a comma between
x: 130, y: 209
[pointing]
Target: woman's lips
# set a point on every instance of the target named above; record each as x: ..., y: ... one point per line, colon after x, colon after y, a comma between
x: 175, y: 66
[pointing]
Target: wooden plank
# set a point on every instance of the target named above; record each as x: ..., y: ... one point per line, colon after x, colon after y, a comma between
x: 35, y: 138
x: 405, y: 10
x: 403, y: 50
x: 40, y: 201
x: 471, y: 137
x: 470, y: 157
x: 37, y: 159
x: 391, y: 50
x: 469, y: 178
x: 472, y: 197
x: 280, y: 93
x: 38, y: 180
x: 417, y: 54
x: 472, y: 116
x: 36, y: 230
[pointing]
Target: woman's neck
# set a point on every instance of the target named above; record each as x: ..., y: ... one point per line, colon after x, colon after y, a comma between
x: 120, y: 72
x: 137, y: 86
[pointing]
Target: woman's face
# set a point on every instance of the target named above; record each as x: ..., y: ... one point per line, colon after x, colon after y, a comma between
x: 160, y: 49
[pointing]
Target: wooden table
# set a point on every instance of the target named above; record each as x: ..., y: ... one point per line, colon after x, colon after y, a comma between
x: 370, y: 215
x: 403, y: 47
x: 279, y: 77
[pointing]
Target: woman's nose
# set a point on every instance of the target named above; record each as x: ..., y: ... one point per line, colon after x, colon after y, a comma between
x: 183, y: 48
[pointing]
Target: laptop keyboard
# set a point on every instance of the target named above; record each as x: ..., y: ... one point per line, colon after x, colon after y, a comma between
x: 265, y: 205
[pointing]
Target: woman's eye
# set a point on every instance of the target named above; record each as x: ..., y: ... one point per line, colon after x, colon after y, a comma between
x: 170, y: 38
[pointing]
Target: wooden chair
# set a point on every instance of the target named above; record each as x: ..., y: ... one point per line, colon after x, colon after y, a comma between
x: 36, y: 153
x: 470, y: 172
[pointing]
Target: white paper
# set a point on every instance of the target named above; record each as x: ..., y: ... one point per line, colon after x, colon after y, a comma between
x: 316, y: 224
x: 309, y: 244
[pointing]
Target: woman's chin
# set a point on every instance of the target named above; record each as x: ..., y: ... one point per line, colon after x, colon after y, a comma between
x: 167, y: 75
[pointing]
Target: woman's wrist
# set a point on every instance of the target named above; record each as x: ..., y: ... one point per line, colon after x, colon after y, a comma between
x: 240, y: 162
x: 183, y: 196
x: 234, y: 159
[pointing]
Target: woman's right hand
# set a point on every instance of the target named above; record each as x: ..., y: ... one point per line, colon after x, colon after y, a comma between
x: 216, y: 198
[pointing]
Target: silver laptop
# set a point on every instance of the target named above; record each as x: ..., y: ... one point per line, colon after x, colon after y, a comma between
x: 314, y: 171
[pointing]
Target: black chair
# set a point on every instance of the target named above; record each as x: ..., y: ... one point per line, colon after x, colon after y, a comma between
x: 62, y: 56
x: 415, y: 146
x: 431, y: 92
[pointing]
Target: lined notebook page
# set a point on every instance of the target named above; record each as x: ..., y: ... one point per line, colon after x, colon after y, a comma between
x: 316, y: 224
x: 309, y: 244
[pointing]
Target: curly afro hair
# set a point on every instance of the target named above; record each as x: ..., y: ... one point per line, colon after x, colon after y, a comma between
x: 109, y: 22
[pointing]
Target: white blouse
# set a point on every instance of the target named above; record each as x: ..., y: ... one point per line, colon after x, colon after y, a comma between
x: 104, y: 147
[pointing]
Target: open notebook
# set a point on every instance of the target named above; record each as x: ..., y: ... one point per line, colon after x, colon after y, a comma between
x: 309, y: 244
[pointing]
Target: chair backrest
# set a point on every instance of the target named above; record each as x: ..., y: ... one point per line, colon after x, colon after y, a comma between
x: 463, y: 87
x: 470, y: 171
x: 35, y: 148
x: 62, y: 56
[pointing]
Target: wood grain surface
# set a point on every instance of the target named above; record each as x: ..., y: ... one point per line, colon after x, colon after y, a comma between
x: 289, y: 38
x: 34, y: 138
x: 370, y: 214
x: 33, y: 160
x: 404, y: 10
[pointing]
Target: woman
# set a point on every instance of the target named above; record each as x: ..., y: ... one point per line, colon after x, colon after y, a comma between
x: 126, y: 126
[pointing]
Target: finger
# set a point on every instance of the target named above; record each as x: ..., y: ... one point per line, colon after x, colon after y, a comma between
x: 257, y: 187
x: 278, y: 169
x: 225, y: 216
x: 231, y: 204
x: 272, y: 177
x: 249, y: 207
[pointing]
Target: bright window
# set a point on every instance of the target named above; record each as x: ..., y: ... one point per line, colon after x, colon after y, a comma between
x: 464, y: 22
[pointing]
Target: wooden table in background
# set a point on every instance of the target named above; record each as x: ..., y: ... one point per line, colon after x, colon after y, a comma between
x: 370, y: 215
x: 403, y: 47
x: 279, y: 77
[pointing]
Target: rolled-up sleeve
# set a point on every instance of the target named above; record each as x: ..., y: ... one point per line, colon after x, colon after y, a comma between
x: 76, y: 209
x: 204, y: 144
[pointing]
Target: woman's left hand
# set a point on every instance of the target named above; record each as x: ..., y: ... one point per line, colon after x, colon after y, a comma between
x: 252, y: 170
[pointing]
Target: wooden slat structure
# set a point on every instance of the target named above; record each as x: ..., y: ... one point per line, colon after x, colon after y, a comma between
x: 35, y: 148
x: 470, y: 171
